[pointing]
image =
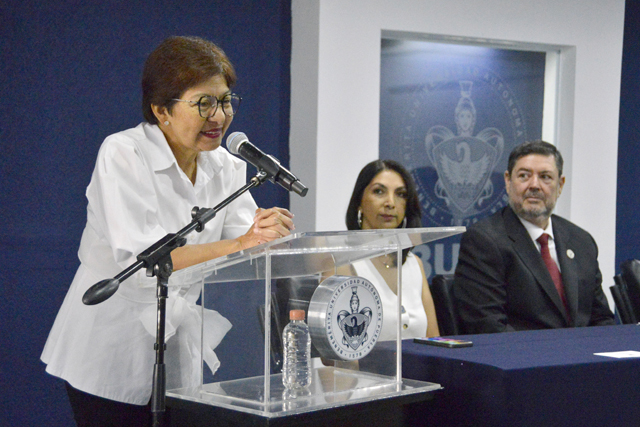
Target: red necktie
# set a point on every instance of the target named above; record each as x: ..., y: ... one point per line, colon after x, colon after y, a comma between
x: 552, y: 267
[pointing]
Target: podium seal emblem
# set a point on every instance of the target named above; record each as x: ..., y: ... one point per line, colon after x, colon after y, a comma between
x: 345, y: 317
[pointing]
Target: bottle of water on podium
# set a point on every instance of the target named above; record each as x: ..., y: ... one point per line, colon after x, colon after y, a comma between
x: 296, y: 369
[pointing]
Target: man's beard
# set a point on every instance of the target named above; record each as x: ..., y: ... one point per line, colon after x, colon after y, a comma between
x: 533, y: 214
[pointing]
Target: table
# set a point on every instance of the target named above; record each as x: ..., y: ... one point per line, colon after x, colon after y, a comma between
x: 530, y: 378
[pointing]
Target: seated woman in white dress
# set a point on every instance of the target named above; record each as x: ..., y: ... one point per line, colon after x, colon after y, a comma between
x: 385, y: 196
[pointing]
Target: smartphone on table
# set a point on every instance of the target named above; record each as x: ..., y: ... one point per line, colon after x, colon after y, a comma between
x: 443, y: 342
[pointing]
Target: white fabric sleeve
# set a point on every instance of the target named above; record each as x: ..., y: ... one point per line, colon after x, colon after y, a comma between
x: 123, y: 201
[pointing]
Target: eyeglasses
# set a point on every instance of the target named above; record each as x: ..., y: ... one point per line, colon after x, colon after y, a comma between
x: 208, y: 105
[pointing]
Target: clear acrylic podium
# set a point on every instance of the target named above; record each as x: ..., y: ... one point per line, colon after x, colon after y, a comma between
x: 255, y: 289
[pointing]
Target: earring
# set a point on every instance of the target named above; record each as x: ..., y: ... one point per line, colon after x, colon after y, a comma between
x: 166, y: 122
x: 360, y: 218
x: 404, y: 222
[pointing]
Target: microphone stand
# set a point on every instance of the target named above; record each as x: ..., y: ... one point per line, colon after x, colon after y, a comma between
x: 157, y: 261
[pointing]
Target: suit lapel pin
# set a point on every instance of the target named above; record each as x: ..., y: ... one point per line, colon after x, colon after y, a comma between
x: 570, y: 254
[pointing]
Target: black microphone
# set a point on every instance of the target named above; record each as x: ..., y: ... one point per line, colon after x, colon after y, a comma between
x: 238, y: 143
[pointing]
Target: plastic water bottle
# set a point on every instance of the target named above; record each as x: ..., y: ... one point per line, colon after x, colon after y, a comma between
x: 296, y: 369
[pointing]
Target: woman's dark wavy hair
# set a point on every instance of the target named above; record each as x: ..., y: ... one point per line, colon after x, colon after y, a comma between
x: 412, y: 211
x: 178, y: 64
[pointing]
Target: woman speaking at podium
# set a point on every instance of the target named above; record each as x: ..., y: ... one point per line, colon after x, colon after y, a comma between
x: 145, y: 182
x: 385, y: 196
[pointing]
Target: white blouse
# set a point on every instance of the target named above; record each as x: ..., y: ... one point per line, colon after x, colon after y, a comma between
x: 413, y: 317
x: 136, y: 196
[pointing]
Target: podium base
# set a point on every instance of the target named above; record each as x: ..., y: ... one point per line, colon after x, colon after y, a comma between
x: 336, y: 397
x: 392, y: 412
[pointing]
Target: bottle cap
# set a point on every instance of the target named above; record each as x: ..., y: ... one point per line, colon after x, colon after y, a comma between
x: 296, y: 315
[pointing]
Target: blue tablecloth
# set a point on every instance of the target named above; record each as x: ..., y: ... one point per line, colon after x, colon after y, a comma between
x: 530, y: 378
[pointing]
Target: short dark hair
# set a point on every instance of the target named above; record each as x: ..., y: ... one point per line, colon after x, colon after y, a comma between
x: 177, y: 64
x: 535, y: 147
x: 366, y: 175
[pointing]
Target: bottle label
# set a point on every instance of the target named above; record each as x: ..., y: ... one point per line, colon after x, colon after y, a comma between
x: 345, y: 317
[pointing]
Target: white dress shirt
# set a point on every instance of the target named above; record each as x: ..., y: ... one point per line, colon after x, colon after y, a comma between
x: 535, y: 232
x: 136, y: 196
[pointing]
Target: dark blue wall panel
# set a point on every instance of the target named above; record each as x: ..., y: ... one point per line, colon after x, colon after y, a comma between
x: 628, y: 196
x: 70, y: 76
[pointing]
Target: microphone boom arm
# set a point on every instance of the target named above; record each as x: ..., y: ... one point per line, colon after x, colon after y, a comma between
x: 150, y: 257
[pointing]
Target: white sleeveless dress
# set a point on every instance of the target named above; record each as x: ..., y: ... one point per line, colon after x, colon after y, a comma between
x: 414, y: 318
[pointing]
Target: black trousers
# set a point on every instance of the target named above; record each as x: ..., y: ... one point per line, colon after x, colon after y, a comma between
x: 94, y: 411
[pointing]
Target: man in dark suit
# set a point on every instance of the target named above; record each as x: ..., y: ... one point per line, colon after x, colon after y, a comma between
x: 508, y: 278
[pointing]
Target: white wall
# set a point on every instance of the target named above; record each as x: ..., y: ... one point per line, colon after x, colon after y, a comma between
x: 336, y: 89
